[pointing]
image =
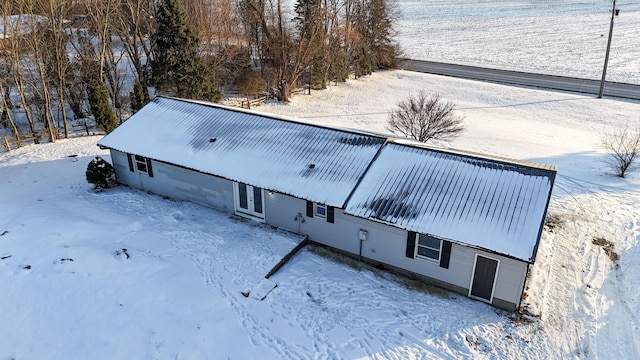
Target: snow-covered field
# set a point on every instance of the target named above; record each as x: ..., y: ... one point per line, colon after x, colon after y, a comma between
x: 566, y: 37
x: 69, y: 290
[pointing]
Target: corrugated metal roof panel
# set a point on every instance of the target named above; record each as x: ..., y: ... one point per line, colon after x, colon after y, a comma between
x: 481, y: 202
x: 259, y: 150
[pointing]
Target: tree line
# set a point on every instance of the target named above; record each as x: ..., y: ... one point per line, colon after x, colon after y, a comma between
x: 65, y: 59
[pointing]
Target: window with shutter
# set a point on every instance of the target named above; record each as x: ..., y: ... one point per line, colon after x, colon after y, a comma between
x: 140, y: 164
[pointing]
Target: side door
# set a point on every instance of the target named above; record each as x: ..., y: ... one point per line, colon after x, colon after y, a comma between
x: 249, y: 201
x: 484, y: 278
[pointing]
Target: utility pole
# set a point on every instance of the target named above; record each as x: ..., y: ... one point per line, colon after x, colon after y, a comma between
x: 614, y: 13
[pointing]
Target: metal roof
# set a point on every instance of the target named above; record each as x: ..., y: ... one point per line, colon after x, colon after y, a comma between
x: 312, y: 162
x: 488, y: 203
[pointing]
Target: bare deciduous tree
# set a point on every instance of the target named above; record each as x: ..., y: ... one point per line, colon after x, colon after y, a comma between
x: 6, y: 117
x: 623, y: 147
x: 134, y: 24
x: 55, y: 56
x: 41, y: 92
x: 102, y: 16
x: 426, y: 117
x: 33, y: 72
x: 17, y: 55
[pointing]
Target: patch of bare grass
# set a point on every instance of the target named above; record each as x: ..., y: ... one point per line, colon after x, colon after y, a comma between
x: 607, y: 246
x: 553, y: 221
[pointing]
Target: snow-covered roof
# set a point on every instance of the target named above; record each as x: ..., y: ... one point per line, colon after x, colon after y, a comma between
x: 487, y: 203
x: 312, y: 162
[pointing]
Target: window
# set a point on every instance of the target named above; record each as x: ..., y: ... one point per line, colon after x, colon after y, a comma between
x: 428, y: 247
x: 320, y: 210
x: 141, y: 164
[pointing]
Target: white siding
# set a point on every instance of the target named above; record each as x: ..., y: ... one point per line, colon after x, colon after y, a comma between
x: 281, y: 210
x: 177, y: 183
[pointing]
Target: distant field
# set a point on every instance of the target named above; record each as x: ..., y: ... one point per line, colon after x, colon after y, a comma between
x: 551, y: 37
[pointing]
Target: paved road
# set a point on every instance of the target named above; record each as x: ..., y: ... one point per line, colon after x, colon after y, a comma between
x: 615, y: 89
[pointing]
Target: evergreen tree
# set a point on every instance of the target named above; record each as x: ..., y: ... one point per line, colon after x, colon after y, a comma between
x: 380, y: 30
x: 310, y: 23
x: 307, y: 16
x: 176, y: 66
x: 99, y: 103
x: 139, y: 96
x: 373, y: 21
x: 101, y: 174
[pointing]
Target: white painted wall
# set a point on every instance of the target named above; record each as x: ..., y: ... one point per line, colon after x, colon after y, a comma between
x: 177, y: 183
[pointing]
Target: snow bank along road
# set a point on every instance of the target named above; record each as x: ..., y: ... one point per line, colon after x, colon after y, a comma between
x: 623, y: 90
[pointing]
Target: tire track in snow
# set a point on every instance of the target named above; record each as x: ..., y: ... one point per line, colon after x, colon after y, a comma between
x: 591, y: 316
x: 620, y: 322
x: 566, y: 319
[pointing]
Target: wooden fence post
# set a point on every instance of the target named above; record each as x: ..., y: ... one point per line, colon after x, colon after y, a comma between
x: 6, y: 143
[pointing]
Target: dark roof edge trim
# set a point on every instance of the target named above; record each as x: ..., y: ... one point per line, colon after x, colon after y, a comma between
x: 544, y: 217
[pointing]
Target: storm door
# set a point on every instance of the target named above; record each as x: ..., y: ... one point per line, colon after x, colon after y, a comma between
x: 249, y: 200
x: 484, y: 278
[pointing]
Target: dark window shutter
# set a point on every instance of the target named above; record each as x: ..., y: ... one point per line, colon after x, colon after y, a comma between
x: 309, y: 208
x: 411, y: 244
x: 330, y: 214
x: 149, y: 169
x: 130, y: 162
x: 446, y: 254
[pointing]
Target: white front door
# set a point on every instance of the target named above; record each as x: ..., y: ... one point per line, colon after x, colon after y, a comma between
x: 249, y: 200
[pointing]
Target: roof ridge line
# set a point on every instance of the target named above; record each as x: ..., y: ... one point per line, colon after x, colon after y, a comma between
x: 473, y: 154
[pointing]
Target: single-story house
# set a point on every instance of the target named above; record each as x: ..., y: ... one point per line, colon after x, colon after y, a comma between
x: 463, y: 221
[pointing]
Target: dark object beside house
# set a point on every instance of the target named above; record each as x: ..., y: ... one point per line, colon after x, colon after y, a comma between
x: 100, y: 173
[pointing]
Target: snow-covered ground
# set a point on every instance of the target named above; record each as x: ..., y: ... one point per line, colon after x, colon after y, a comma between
x: 14, y: 25
x: 567, y: 38
x: 69, y: 290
